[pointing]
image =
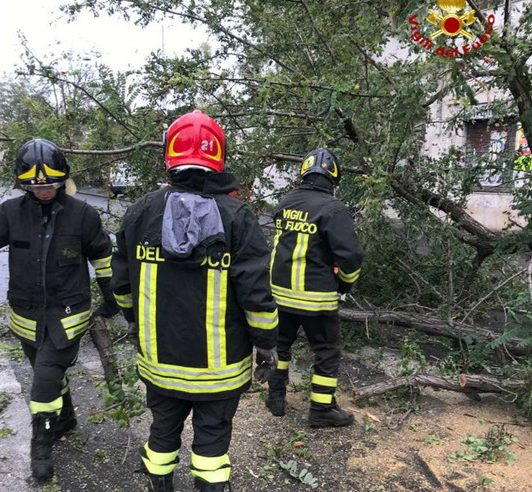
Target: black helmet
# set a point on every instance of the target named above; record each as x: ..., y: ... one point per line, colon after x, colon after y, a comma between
x: 322, y: 161
x: 41, y: 162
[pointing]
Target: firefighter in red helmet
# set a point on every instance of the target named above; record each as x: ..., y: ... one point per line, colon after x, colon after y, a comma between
x: 51, y: 235
x: 191, y: 269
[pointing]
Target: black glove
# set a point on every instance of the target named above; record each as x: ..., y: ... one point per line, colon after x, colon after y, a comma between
x: 266, y: 364
x: 107, y: 309
x: 344, y: 288
x: 129, y: 315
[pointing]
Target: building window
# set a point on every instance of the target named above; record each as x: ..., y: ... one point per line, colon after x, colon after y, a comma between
x: 491, y: 145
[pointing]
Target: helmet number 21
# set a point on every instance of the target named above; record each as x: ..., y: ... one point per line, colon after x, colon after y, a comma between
x: 207, y: 145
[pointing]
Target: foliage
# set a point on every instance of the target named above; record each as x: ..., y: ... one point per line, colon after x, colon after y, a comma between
x: 524, y: 398
x: 12, y: 351
x: 491, y: 448
x: 303, y: 386
x: 123, y: 400
x: 304, y: 476
x: 5, y: 399
x: 285, y: 77
x: 412, y: 358
x: 295, y: 445
x: 6, y: 432
x: 433, y: 441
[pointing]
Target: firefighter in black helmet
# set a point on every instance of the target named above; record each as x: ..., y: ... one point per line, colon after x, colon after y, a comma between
x: 191, y: 268
x: 316, y: 255
x: 51, y: 235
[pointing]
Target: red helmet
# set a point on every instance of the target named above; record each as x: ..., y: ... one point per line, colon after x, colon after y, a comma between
x: 194, y: 139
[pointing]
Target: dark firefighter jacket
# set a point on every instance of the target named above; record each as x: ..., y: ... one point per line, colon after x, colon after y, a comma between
x: 196, y: 320
x: 314, y: 237
x: 48, y: 273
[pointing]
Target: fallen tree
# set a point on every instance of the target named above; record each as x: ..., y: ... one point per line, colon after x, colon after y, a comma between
x: 466, y: 383
x: 432, y: 326
x: 102, y: 339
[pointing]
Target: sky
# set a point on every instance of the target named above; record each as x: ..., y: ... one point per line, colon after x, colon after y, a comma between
x: 121, y: 44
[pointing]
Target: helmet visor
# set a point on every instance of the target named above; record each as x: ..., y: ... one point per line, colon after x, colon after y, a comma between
x: 42, y: 187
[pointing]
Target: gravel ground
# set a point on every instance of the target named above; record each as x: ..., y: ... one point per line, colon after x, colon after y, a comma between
x: 381, y: 453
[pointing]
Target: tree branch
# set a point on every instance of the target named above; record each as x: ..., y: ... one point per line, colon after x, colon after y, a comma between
x: 507, y: 20
x: 53, y: 76
x: 261, y: 82
x: 124, y: 150
x: 484, y: 237
x: 191, y: 16
x: 350, y: 127
x: 286, y: 157
x: 371, y: 61
x: 479, y: 13
x: 487, y: 296
x: 466, y: 383
x: 431, y: 325
x: 318, y: 32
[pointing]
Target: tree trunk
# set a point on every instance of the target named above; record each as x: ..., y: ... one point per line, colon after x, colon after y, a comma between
x: 432, y: 326
x: 491, y: 384
x: 465, y: 384
x: 102, y: 340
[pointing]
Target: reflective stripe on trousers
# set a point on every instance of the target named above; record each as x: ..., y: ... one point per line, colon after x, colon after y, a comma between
x: 159, y: 463
x: 211, y: 469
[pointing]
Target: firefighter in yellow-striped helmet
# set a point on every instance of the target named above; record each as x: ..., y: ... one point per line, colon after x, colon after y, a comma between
x: 41, y: 168
x: 51, y: 237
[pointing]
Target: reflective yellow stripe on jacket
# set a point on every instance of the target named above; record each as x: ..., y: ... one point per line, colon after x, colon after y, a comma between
x: 218, y: 376
x: 349, y: 278
x: 262, y: 320
x: 215, y: 317
x: 147, y: 310
x: 196, y: 380
x: 76, y: 324
x: 278, y: 233
x: 102, y: 267
x: 299, y: 262
x: 306, y: 300
x: 124, y: 301
x: 23, y: 327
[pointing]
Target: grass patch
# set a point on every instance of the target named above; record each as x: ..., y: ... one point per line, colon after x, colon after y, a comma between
x: 12, y: 351
x: 5, y: 399
x: 6, y: 432
x: 489, y: 449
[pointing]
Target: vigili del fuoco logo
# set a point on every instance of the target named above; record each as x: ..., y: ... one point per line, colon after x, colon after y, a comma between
x: 451, y: 20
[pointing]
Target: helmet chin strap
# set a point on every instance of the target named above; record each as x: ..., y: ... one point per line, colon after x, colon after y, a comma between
x: 191, y: 166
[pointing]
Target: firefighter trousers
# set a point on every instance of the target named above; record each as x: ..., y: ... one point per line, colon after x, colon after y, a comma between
x: 323, y: 334
x: 50, y: 382
x: 212, y: 422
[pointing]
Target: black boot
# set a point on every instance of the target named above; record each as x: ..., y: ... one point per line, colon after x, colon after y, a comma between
x: 329, y: 416
x: 276, y: 401
x: 67, y: 418
x: 161, y: 483
x: 203, y: 486
x: 42, y: 466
